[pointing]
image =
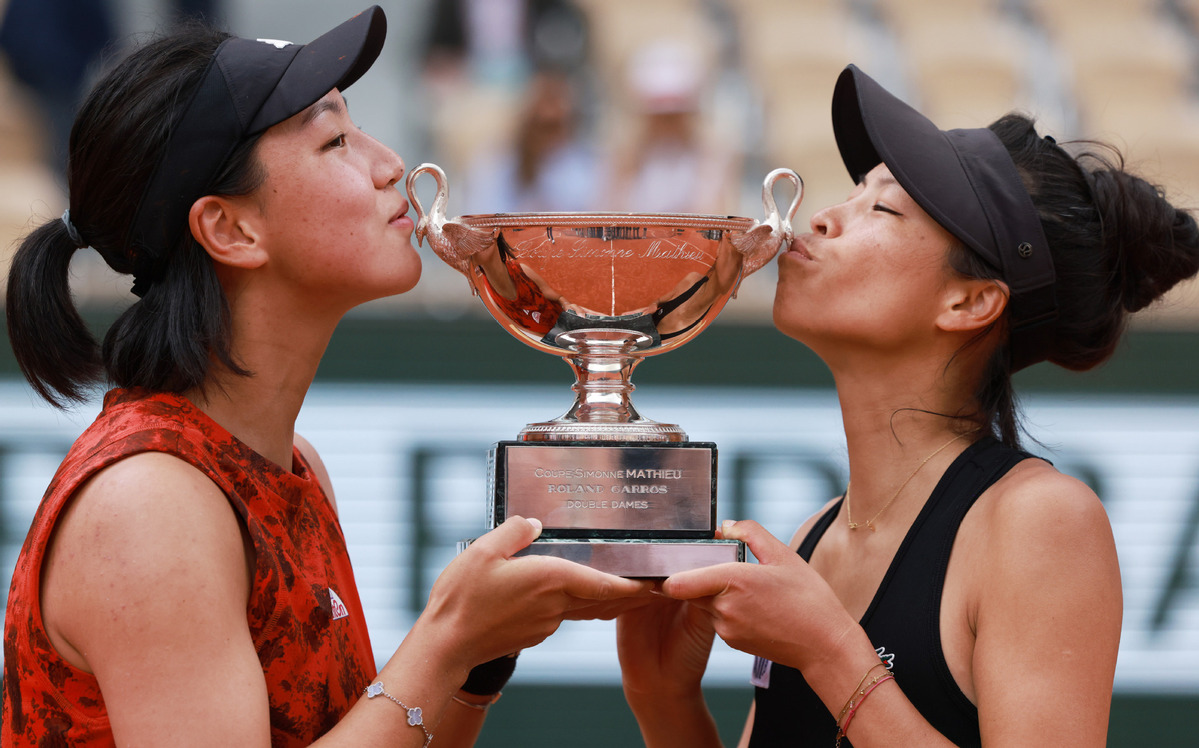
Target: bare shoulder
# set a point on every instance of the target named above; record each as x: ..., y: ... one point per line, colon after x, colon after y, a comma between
x: 1035, y: 504
x: 147, y: 496
x: 135, y: 535
x: 1038, y: 528
x: 319, y: 471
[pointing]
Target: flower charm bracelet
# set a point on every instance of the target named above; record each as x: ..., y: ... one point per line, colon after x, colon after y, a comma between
x: 415, y: 718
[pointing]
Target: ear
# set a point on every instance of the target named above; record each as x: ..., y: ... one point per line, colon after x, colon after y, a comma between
x: 972, y: 304
x: 226, y: 228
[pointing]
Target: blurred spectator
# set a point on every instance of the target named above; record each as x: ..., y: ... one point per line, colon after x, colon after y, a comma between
x: 549, y: 167
x: 498, y: 42
x: 479, y: 57
x: 671, y: 164
x: 51, y: 45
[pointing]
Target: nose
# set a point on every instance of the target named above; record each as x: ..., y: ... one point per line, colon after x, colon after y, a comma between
x: 824, y: 221
x: 393, y: 168
x: 388, y: 166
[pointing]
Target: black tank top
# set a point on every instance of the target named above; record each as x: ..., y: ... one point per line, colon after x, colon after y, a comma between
x: 903, y: 620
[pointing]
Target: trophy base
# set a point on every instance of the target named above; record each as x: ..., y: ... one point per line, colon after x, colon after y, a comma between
x: 639, y: 559
x: 633, y: 509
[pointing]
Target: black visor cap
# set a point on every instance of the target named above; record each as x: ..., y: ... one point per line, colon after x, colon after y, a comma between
x: 967, y: 182
x: 250, y: 85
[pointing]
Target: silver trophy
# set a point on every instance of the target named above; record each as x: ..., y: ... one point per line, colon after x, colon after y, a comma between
x: 613, y: 490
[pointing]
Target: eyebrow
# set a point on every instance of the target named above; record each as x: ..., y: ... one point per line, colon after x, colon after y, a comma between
x: 319, y: 108
x: 883, y: 181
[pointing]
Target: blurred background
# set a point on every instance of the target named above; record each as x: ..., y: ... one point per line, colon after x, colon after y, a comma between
x: 664, y: 105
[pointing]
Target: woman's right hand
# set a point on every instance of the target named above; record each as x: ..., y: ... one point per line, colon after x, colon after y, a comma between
x: 488, y: 604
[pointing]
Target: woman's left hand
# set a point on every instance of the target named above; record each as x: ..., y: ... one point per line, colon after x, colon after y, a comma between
x: 664, y: 646
x: 779, y: 608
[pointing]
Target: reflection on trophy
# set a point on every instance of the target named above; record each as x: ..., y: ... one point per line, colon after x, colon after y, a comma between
x: 612, y: 489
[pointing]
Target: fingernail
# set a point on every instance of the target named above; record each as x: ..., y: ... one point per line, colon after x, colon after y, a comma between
x: 536, y: 523
x: 727, y: 525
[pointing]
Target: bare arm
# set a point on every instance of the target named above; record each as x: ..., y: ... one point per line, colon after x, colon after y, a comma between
x: 147, y: 584
x: 1048, y: 617
x: 1045, y: 612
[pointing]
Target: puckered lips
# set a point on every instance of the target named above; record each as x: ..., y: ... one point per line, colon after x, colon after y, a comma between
x: 799, y: 249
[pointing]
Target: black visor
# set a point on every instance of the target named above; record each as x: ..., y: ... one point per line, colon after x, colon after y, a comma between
x: 968, y: 183
x: 250, y: 85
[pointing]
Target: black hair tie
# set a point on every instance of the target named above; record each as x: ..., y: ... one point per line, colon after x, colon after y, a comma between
x: 140, y: 286
x: 145, y: 274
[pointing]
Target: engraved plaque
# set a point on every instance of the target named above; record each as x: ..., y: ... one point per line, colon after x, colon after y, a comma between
x: 613, y: 490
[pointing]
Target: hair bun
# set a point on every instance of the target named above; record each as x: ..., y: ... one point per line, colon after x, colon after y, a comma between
x: 1153, y: 244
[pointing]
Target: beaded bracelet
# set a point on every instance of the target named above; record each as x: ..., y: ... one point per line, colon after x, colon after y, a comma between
x: 853, y: 705
x: 415, y: 719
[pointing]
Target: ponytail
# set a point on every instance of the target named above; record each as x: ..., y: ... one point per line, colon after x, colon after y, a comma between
x: 52, y: 345
x: 180, y: 329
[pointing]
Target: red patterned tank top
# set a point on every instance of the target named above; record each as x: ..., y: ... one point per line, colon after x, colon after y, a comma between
x: 304, y: 613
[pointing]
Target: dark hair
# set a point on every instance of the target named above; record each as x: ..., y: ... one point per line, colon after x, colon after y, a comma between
x: 170, y: 338
x: 1118, y: 245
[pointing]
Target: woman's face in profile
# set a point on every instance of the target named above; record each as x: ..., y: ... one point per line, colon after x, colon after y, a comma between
x: 330, y: 212
x: 868, y: 273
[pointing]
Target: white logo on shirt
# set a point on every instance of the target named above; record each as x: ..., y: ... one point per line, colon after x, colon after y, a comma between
x: 888, y: 659
x: 337, y: 607
x: 277, y: 43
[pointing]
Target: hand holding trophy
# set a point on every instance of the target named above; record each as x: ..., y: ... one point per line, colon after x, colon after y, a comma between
x: 613, y: 490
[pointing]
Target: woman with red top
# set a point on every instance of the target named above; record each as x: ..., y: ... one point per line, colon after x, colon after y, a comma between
x: 185, y: 581
x: 961, y: 591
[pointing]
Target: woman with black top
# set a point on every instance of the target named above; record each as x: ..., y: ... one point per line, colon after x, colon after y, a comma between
x: 961, y: 592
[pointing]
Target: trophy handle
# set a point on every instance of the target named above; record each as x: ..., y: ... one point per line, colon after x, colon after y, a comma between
x: 762, y: 242
x: 454, y: 242
x: 772, y: 211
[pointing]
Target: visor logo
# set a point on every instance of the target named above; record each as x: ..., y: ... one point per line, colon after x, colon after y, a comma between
x: 276, y: 43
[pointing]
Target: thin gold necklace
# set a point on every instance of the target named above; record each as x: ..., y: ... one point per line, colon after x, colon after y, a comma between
x: 870, y: 522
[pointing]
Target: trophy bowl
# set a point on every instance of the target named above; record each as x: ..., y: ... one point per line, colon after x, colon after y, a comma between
x: 613, y: 490
x: 604, y: 290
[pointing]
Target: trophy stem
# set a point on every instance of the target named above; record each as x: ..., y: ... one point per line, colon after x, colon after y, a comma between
x: 603, y: 361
